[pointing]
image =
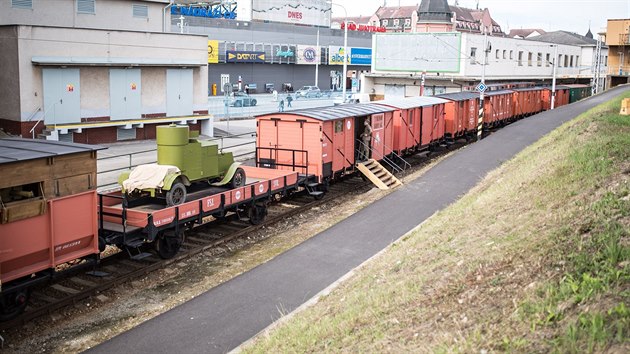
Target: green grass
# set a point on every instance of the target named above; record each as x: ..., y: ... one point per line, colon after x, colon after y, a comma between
x: 541, y: 263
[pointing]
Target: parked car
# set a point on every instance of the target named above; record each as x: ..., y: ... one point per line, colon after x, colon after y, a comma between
x: 241, y: 99
x: 308, y: 91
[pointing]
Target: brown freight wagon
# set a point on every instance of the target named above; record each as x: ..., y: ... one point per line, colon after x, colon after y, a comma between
x: 47, y: 213
x: 323, y: 143
x: 461, y: 113
x: 562, y: 97
x: 497, y: 108
x: 527, y: 101
x: 418, y: 122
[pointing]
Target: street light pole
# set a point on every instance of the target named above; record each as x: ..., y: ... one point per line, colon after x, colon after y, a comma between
x: 345, y: 51
x: 553, y: 80
x: 483, y: 83
x: 318, y: 57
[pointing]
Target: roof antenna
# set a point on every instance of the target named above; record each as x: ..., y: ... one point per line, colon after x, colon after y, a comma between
x: 477, y: 4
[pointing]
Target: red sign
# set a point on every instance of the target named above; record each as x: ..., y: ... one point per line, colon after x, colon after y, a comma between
x: 362, y: 28
x: 133, y: 86
x: 70, y: 87
x: 294, y: 15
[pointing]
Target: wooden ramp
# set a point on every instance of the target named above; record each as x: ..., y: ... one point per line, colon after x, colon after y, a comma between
x: 376, y: 173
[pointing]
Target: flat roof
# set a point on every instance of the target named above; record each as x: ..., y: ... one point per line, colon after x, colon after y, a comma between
x: 105, y: 61
x: 19, y: 149
x: 338, y: 112
x: 411, y: 102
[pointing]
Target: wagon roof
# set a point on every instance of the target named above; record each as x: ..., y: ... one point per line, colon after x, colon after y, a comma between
x: 411, y: 102
x: 576, y: 86
x: 499, y: 92
x: 528, y: 89
x: 459, y: 96
x: 18, y: 149
x: 341, y: 111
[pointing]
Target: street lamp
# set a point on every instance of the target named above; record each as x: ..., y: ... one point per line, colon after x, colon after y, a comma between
x: 345, y: 50
x: 553, y: 79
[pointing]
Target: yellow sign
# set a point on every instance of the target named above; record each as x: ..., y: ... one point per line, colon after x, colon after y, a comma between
x: 213, y: 51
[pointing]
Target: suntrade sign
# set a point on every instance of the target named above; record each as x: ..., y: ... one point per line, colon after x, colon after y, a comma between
x: 210, y: 11
x: 363, y: 28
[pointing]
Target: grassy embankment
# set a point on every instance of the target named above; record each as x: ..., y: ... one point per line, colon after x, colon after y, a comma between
x: 536, y: 258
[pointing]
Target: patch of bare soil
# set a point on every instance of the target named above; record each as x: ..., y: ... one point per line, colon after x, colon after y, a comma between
x: 117, y: 310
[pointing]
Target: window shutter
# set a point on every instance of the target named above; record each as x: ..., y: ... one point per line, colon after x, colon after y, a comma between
x: 86, y: 6
x: 22, y: 4
x: 140, y: 11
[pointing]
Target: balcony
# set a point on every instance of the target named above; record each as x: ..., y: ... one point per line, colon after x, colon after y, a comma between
x: 624, y: 38
x: 619, y: 71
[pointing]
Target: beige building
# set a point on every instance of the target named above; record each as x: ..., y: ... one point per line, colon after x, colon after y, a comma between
x: 618, y: 42
x: 96, y: 71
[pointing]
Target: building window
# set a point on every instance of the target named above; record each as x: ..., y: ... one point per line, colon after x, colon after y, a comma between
x: 339, y: 126
x: 566, y: 61
x: 559, y: 60
x: 396, y: 22
x: 504, y: 54
x: 86, y: 6
x: 529, y: 58
x: 539, y: 59
x: 547, y: 59
x: 407, y: 22
x: 384, y: 23
x: 520, y: 58
x: 125, y: 134
x: 141, y: 11
x: 496, y: 54
x: 22, y: 4
x: 473, y: 56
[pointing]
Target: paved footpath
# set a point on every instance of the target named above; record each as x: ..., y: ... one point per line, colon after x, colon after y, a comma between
x: 230, y: 314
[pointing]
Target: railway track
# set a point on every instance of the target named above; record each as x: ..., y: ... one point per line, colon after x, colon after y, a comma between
x: 119, y: 268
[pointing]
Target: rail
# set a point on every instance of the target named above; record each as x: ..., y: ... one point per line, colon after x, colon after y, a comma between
x: 136, y: 158
x: 271, y: 160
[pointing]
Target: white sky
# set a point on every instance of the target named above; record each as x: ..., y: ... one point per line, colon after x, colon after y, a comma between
x: 550, y: 15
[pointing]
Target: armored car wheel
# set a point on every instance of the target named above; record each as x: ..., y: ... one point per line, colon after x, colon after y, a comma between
x: 239, y: 178
x: 176, y: 195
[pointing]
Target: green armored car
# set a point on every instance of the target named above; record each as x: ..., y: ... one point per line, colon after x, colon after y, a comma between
x: 182, y: 159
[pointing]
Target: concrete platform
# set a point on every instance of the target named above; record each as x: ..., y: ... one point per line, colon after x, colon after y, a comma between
x: 230, y: 314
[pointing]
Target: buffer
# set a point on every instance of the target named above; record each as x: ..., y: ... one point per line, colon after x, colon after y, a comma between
x: 376, y: 173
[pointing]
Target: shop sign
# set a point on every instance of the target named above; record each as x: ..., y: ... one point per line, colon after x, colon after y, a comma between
x: 336, y: 55
x: 363, y: 28
x: 307, y: 54
x: 304, y: 12
x: 234, y: 56
x: 361, y: 56
x: 211, y: 11
x: 213, y: 51
x: 285, y: 54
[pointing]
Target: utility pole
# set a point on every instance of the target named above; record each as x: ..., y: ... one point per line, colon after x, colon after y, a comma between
x: 553, y: 80
x: 318, y: 57
x: 597, y: 67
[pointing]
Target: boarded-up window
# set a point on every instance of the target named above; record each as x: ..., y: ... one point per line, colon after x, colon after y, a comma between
x: 86, y: 6
x: 378, y: 121
x: 338, y: 126
x: 125, y: 134
x: 22, y: 4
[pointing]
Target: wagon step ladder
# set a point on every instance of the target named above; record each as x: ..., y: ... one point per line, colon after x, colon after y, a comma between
x: 136, y: 244
x: 378, y: 174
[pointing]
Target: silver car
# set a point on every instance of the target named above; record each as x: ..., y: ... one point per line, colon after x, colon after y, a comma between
x: 308, y: 92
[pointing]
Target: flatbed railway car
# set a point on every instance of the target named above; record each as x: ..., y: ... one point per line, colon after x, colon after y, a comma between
x: 323, y: 142
x: 47, y: 214
x: 461, y: 114
x: 418, y: 122
x: 131, y: 226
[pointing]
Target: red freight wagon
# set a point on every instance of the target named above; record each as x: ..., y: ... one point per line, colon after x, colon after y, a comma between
x: 461, y: 113
x: 122, y: 224
x: 497, y: 107
x: 562, y: 96
x: 418, y: 122
x: 527, y: 101
x: 322, y: 142
x: 47, y: 213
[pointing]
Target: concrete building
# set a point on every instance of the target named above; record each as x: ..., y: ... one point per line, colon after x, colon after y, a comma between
x: 96, y: 71
x: 618, y: 42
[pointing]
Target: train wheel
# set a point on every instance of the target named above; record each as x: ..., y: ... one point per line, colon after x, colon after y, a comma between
x: 239, y: 178
x: 168, y: 245
x: 13, y: 304
x: 176, y: 195
x: 257, y: 214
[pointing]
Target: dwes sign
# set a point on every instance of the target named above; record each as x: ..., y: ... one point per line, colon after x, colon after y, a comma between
x: 211, y: 11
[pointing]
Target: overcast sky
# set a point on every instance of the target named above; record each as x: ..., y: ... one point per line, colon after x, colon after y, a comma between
x: 550, y: 15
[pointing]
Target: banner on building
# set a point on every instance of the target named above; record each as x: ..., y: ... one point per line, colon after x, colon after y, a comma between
x: 213, y: 51
x: 304, y: 12
x: 234, y: 56
x: 361, y: 56
x: 418, y: 52
x: 308, y: 54
x: 358, y: 56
